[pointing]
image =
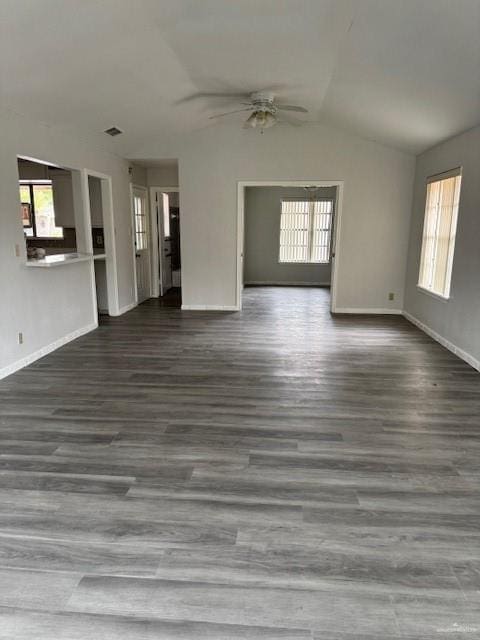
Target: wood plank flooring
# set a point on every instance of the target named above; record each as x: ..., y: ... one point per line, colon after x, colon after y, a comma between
x: 271, y: 474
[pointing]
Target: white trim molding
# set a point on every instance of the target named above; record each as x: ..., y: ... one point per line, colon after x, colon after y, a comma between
x: 208, y: 307
x: 127, y: 307
x: 437, y: 296
x: 36, y: 355
x: 463, y: 355
x: 377, y: 312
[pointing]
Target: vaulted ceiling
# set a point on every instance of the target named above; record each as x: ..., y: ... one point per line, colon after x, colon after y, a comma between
x: 405, y: 73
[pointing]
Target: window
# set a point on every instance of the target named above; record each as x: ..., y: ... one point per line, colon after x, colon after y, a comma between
x: 439, y: 229
x: 37, y: 210
x: 140, y: 223
x: 305, y: 231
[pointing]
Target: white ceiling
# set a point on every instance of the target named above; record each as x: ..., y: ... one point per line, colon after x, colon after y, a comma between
x: 401, y: 72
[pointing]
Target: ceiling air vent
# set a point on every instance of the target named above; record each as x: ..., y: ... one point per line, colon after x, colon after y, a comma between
x: 113, y: 131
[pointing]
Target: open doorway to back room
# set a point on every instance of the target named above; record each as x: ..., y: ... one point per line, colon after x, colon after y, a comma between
x: 102, y: 242
x: 288, y: 236
x: 166, y: 220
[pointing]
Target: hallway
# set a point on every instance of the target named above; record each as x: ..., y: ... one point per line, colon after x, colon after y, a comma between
x: 275, y: 473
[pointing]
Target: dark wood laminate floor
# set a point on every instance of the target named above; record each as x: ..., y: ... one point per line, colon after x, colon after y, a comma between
x: 271, y: 474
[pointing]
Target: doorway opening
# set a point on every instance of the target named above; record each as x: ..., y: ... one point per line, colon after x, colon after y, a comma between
x: 100, y: 241
x: 167, y: 265
x: 287, y: 235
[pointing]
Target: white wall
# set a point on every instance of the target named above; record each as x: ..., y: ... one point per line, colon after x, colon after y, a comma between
x: 456, y: 320
x: 262, y: 238
x: 48, y: 305
x: 138, y: 175
x: 376, y: 208
x: 163, y: 176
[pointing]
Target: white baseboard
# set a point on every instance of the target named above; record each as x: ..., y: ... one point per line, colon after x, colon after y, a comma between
x: 353, y: 310
x: 467, y: 357
x: 284, y: 283
x: 127, y: 307
x: 36, y: 355
x: 208, y: 307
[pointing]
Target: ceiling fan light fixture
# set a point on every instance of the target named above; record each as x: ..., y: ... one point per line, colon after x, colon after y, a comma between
x: 252, y: 120
x: 261, y: 119
x: 269, y: 120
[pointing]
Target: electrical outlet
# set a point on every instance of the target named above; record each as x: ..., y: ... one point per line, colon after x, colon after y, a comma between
x: 20, y: 337
x: 17, y: 250
x: 391, y: 296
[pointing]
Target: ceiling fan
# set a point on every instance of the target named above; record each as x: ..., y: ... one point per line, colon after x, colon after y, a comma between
x: 264, y: 110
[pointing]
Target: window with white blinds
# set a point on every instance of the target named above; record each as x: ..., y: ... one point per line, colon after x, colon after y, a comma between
x: 305, y: 231
x: 439, y: 230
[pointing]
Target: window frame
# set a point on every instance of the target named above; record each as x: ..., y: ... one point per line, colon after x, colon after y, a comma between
x: 446, y: 294
x: 311, y: 231
x: 140, y: 230
x: 31, y: 184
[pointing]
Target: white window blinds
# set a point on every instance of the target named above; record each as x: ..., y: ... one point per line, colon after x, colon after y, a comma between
x: 305, y: 231
x: 439, y: 230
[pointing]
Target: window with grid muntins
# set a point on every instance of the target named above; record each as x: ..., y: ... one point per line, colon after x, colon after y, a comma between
x: 305, y: 231
x: 439, y: 231
x: 140, y: 224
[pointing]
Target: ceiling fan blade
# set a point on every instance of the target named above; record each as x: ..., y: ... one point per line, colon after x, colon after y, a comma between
x: 295, y: 122
x: 227, y: 113
x: 197, y: 96
x: 291, y: 107
x: 233, y: 95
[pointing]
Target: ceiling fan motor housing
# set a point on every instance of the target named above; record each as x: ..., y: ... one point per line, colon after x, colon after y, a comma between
x: 264, y: 101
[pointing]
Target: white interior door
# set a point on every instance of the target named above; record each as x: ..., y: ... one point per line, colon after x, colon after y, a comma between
x: 142, y: 252
x: 164, y: 242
